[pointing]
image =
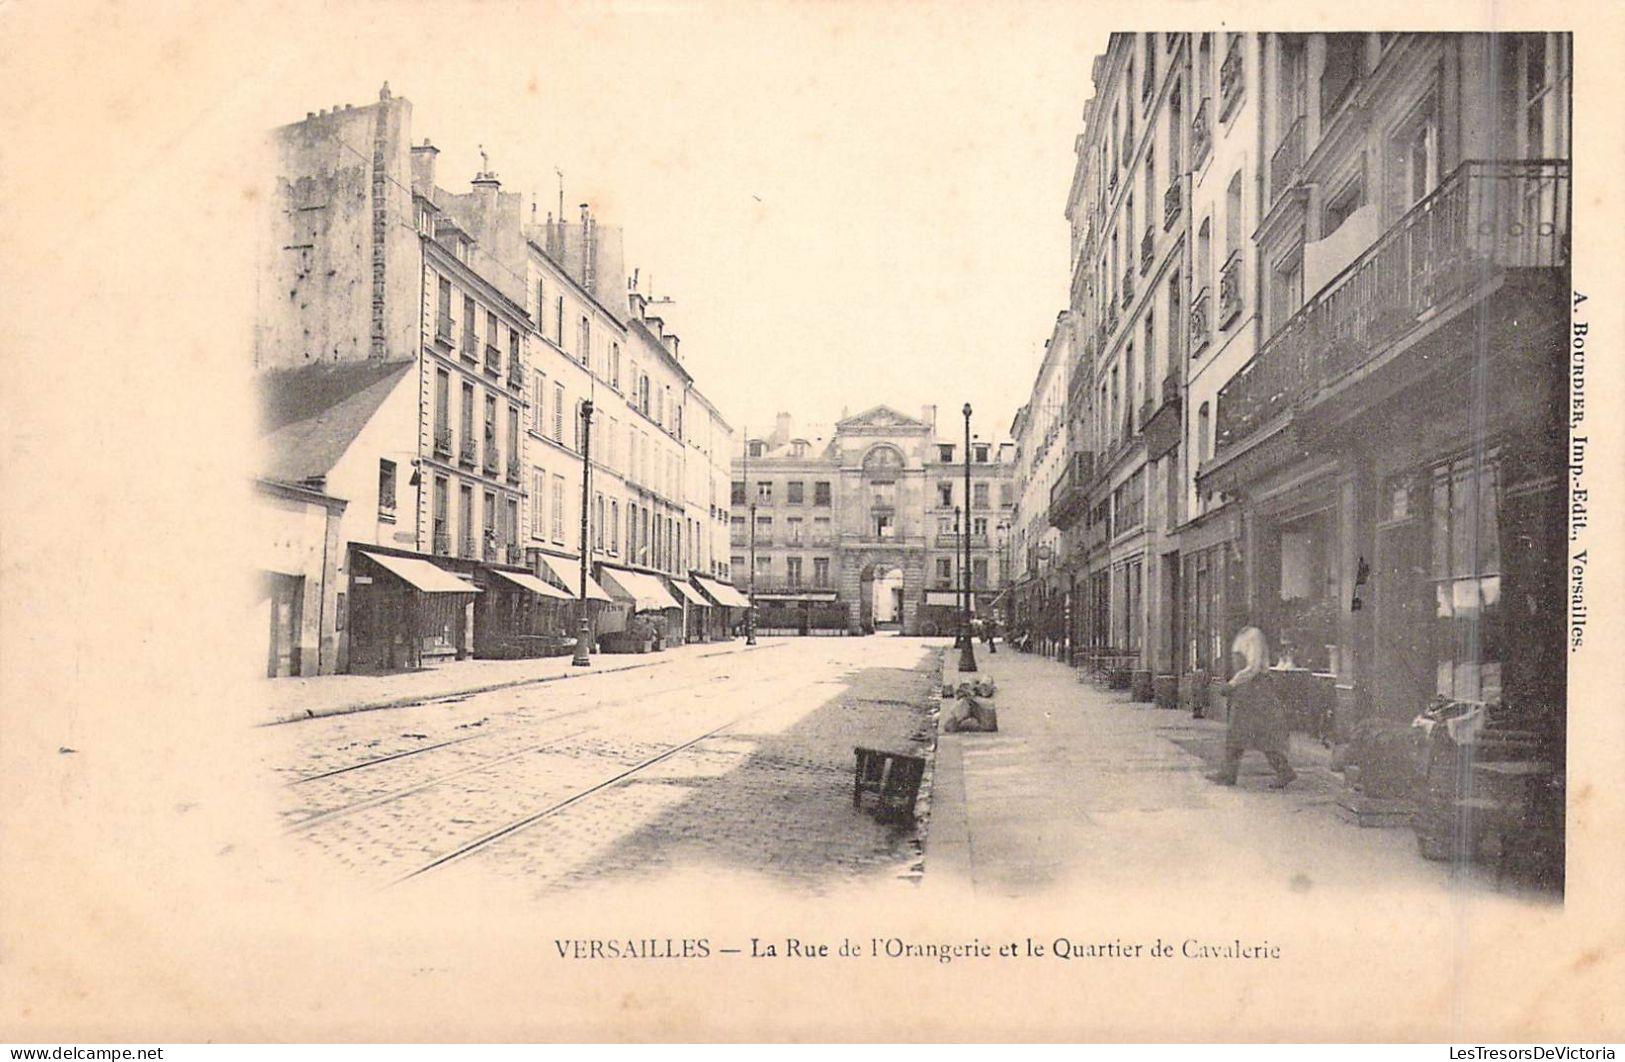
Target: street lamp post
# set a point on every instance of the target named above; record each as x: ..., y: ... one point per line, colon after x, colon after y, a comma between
x: 584, y: 632
x: 750, y: 613
x: 967, y: 653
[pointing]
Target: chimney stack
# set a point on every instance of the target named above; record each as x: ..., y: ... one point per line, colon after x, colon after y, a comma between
x: 928, y: 413
x: 423, y: 158
x: 485, y: 182
x: 783, y: 425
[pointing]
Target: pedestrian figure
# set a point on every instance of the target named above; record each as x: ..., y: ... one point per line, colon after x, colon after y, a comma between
x: 987, y: 635
x: 1257, y: 716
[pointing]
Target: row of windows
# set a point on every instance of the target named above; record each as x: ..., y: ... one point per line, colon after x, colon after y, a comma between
x: 482, y: 424
x: 483, y: 525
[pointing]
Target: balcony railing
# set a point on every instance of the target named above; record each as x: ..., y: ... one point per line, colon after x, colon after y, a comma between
x: 442, y: 442
x: 1230, y: 289
x: 1201, y: 133
x: 470, y: 347
x: 1148, y: 249
x: 442, y: 543
x: 493, y: 360
x: 1231, y: 79
x: 1286, y: 161
x: 493, y: 460
x: 1172, y: 201
x: 467, y: 549
x: 513, y: 470
x: 1128, y: 291
x: 489, y: 551
x: 1485, y: 219
x: 515, y: 553
x: 468, y: 452
x: 1070, y: 489
x: 516, y: 375
x: 442, y: 334
x: 1201, y: 327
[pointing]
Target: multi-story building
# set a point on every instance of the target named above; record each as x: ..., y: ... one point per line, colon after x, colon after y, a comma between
x: 861, y: 526
x: 1353, y: 301
x: 430, y: 363
x: 1393, y: 453
x: 1127, y: 207
x: 1039, y: 432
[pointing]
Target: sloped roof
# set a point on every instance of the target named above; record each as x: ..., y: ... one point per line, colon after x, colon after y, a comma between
x: 310, y: 415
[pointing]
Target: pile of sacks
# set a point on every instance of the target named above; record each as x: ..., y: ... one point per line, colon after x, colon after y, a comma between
x: 971, y: 710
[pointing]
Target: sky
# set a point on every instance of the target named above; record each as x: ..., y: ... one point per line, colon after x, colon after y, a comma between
x: 848, y: 204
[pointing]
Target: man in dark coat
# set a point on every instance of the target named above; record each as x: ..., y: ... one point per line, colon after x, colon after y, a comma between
x: 1257, y: 716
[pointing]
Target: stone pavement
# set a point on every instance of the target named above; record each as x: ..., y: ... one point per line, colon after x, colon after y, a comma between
x: 289, y: 699
x: 1082, y: 787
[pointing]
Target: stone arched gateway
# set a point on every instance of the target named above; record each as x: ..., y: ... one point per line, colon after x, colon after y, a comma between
x: 860, y: 566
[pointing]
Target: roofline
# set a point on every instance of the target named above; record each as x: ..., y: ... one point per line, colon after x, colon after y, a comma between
x: 490, y: 290
x: 574, y: 283
x: 665, y: 354
x: 299, y: 491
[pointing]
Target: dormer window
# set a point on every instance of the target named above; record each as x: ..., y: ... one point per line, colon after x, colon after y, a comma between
x: 945, y: 453
x: 756, y: 448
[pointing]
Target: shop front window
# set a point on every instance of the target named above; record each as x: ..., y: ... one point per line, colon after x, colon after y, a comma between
x: 1466, y: 570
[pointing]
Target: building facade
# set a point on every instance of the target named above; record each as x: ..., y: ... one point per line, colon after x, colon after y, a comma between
x: 1325, y: 393
x: 429, y: 357
x: 860, y: 527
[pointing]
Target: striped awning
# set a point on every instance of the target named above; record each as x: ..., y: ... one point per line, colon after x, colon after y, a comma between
x: 722, y: 593
x: 689, y: 594
x: 568, y: 572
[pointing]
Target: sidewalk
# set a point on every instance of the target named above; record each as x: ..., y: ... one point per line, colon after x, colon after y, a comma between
x: 1082, y: 785
x: 291, y: 699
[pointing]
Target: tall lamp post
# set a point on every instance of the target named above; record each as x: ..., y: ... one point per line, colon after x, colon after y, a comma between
x: 967, y: 653
x: 750, y: 613
x: 584, y: 633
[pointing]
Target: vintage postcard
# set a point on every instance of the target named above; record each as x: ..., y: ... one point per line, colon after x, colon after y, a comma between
x: 708, y: 521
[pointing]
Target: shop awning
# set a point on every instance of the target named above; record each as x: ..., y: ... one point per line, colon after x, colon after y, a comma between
x: 527, y: 581
x: 644, y: 591
x: 689, y: 594
x: 568, y: 572
x: 795, y: 595
x: 722, y: 593
x: 421, y: 575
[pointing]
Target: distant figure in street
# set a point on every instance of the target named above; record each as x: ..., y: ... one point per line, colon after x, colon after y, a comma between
x: 988, y: 632
x: 1257, y: 716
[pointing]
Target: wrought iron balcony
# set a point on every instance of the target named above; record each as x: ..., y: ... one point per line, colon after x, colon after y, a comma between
x: 1230, y: 289
x: 513, y: 470
x: 1148, y: 249
x: 1069, y: 493
x: 493, y: 460
x: 493, y: 360
x: 442, y: 543
x: 470, y: 347
x: 1173, y: 200
x: 1485, y: 220
x: 468, y: 452
x: 1201, y: 133
x: 490, y: 550
x: 516, y: 375
x: 1287, y: 160
x: 515, y: 553
x: 467, y: 547
x: 1128, y: 291
x: 1201, y: 326
x: 1231, y: 78
x: 442, y: 442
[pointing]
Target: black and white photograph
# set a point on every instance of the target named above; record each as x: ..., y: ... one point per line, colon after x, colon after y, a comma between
x: 834, y: 522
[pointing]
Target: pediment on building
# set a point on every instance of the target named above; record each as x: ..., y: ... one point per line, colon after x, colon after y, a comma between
x: 881, y: 418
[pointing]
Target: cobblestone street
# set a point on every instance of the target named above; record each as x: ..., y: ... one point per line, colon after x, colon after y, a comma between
x: 739, y: 760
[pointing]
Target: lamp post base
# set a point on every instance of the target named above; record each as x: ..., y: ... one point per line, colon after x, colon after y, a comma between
x: 581, y: 659
x: 967, y: 653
